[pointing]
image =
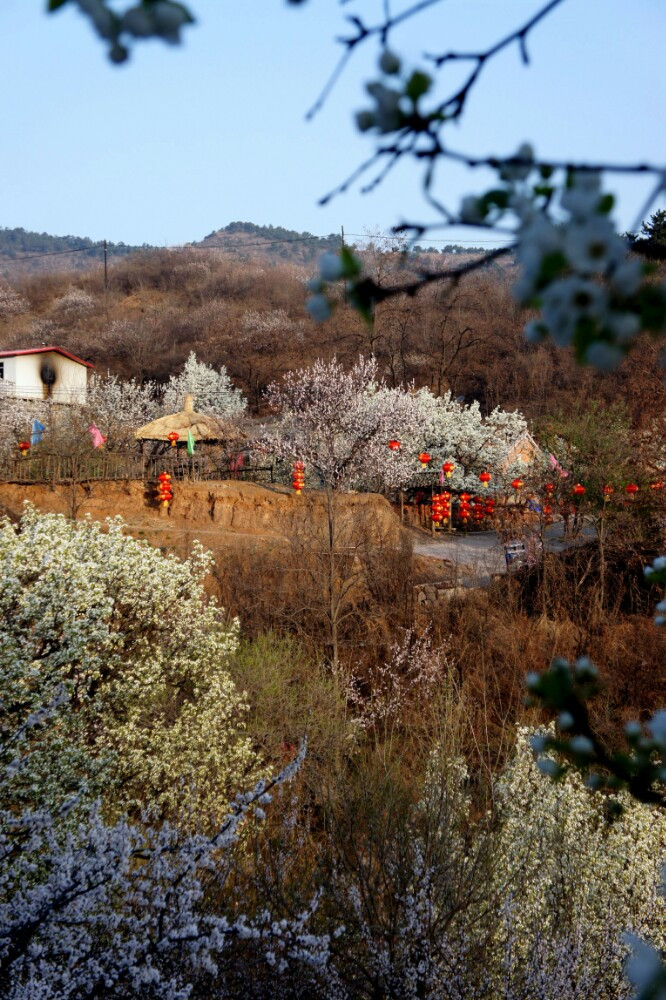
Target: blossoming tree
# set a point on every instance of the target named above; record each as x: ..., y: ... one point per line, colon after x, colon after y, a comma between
x: 340, y: 423
x: 453, y: 431
x: 212, y: 390
x: 119, y: 407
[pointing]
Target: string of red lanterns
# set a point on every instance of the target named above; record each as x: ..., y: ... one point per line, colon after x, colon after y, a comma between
x: 298, y: 477
x: 164, y: 490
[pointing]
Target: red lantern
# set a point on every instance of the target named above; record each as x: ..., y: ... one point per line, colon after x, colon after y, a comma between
x: 448, y: 468
x: 517, y: 484
x: 24, y: 448
x: 465, y: 497
x: 394, y: 445
x: 657, y: 486
x: 484, y: 479
x: 607, y: 492
x: 550, y: 488
x: 298, y: 477
x: 631, y: 489
x: 163, y: 490
x: 424, y: 459
x: 579, y: 490
x: 173, y: 437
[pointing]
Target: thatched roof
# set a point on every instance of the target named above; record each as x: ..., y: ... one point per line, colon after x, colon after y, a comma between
x: 203, y: 427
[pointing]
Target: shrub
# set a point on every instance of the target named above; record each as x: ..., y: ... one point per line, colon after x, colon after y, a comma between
x: 152, y: 715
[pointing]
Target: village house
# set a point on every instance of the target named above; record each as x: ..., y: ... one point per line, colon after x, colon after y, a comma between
x: 44, y: 374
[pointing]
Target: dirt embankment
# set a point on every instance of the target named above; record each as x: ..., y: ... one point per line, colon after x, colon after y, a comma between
x: 219, y: 513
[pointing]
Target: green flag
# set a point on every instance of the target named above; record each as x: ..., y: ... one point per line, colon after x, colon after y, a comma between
x: 190, y: 443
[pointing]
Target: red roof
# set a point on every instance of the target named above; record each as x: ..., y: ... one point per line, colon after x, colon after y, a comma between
x: 44, y: 350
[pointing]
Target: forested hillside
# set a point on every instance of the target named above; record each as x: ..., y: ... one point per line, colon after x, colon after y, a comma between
x: 160, y: 305
x: 39, y: 252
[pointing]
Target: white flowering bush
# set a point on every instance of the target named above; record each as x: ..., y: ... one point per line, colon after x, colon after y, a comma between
x: 75, y: 303
x: 570, y: 881
x: 120, y: 407
x: 212, y: 390
x: 123, y: 910
x: 537, y: 902
x: 11, y: 303
x: 269, y: 329
x: 152, y: 716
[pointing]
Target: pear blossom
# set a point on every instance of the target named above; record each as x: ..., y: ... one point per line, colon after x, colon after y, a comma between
x: 212, y: 390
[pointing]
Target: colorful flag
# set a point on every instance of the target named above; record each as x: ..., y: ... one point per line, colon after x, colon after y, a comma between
x: 97, y: 436
x: 37, y: 432
x: 190, y: 443
x: 554, y: 464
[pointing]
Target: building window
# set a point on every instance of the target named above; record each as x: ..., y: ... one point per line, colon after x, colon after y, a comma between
x: 2, y: 369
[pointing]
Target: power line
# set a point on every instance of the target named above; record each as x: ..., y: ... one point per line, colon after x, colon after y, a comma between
x: 50, y: 253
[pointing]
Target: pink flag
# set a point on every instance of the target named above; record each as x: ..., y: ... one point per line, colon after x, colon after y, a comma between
x: 554, y: 464
x: 97, y: 436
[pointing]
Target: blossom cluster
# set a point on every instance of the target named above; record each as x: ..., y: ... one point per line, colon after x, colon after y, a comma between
x: 340, y: 423
x: 574, y: 267
x: 75, y: 303
x: 163, y: 19
x: 11, y: 303
x: 535, y: 901
x: 120, y: 908
x: 119, y: 407
x: 141, y: 653
x: 212, y: 390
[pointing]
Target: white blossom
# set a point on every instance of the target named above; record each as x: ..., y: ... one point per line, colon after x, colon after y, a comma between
x: 212, y: 390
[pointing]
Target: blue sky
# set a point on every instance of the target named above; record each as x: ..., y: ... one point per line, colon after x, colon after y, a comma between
x: 184, y: 140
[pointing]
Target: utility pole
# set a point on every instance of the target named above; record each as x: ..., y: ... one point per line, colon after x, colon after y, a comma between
x: 342, y: 230
x: 106, y: 269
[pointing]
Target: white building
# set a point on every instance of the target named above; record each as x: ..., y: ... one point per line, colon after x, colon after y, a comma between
x: 44, y: 373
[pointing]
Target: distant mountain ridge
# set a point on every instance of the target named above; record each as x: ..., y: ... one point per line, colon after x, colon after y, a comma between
x: 23, y: 252
x: 43, y: 252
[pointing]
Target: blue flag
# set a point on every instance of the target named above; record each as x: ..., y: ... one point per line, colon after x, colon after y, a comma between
x: 37, y: 432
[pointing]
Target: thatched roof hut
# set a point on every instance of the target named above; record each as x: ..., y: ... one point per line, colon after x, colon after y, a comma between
x: 202, y: 426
